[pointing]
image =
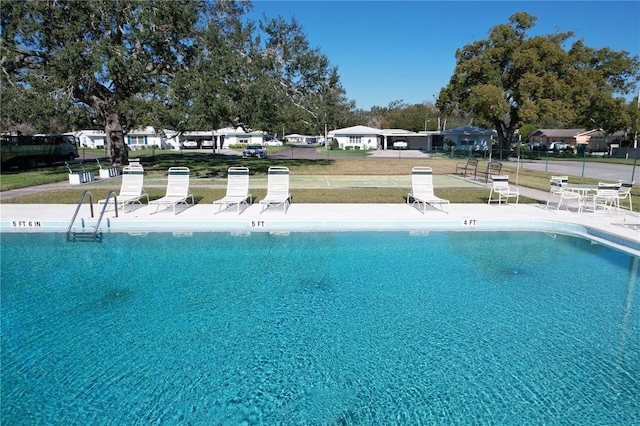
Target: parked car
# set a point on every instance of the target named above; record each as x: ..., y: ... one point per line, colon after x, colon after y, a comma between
x: 273, y: 142
x: 537, y: 146
x: 190, y: 145
x: 400, y: 145
x: 206, y: 144
x: 254, y: 151
x: 560, y: 146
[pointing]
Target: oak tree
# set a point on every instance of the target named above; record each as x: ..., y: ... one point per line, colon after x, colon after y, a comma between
x: 510, y: 78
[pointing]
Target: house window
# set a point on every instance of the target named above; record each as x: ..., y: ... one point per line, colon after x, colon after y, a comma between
x: 137, y: 140
x: 243, y: 140
x: 355, y: 140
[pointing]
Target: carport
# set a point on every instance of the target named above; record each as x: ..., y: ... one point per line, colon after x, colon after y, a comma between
x: 417, y: 141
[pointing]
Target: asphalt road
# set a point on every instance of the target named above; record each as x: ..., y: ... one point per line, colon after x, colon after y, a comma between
x: 603, y: 171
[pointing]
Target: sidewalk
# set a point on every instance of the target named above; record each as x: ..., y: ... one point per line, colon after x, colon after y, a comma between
x: 297, y: 181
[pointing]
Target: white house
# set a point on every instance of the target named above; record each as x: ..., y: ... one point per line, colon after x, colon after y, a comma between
x: 356, y: 137
x: 297, y: 138
x: 95, y: 139
x: 236, y: 136
x: 145, y: 139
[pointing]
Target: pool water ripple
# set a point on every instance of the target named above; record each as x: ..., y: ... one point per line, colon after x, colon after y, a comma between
x: 358, y: 328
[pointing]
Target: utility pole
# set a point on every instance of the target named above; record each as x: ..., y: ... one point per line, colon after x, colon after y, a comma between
x: 635, y: 138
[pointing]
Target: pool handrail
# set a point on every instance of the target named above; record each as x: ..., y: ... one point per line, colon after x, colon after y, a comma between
x: 95, y: 235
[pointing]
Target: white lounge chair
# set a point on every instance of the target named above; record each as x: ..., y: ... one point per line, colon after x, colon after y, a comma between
x: 131, y: 189
x: 177, y: 190
x: 503, y: 190
x: 422, y: 190
x: 277, y: 189
x: 237, y: 189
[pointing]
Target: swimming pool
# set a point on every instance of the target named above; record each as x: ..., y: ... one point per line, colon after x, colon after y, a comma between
x: 354, y: 328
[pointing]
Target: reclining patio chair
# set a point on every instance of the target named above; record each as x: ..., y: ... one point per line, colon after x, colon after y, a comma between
x: 131, y: 188
x: 277, y: 189
x: 177, y: 190
x: 422, y: 190
x: 237, y: 190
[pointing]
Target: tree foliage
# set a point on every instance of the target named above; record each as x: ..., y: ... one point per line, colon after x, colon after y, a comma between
x: 108, y: 55
x: 177, y: 64
x: 509, y: 79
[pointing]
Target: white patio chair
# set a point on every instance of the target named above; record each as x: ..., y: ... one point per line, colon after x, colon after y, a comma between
x: 624, y: 193
x: 132, y: 187
x: 422, y: 190
x: 177, y: 190
x: 559, y: 188
x: 504, y: 191
x: 556, y: 185
x: 237, y: 190
x: 277, y: 189
x: 606, y: 197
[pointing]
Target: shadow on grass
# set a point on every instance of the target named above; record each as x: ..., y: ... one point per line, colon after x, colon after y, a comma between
x: 215, y: 165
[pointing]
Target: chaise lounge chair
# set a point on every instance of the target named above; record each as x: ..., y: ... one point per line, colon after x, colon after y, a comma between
x: 503, y: 190
x: 277, y: 189
x: 237, y: 190
x: 422, y: 190
x: 177, y: 190
x: 131, y: 188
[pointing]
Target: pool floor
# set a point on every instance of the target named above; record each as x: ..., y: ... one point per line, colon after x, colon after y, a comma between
x: 354, y: 328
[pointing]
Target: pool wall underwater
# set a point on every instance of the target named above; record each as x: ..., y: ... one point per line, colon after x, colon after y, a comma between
x: 628, y: 244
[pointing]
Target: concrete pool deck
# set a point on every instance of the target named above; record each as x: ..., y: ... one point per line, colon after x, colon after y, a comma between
x: 618, y: 229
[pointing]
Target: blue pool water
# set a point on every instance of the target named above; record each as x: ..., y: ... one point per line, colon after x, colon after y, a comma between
x: 359, y: 328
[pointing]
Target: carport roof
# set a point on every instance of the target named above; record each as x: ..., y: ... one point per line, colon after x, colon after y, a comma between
x: 468, y: 130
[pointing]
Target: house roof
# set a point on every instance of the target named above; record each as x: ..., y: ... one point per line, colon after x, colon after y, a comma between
x: 238, y: 131
x: 600, y: 133
x: 396, y: 132
x: 89, y: 133
x: 357, y: 130
x: 469, y: 130
x: 558, y: 133
x: 149, y: 130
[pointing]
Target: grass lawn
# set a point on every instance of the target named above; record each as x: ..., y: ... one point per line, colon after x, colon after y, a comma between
x: 342, y: 180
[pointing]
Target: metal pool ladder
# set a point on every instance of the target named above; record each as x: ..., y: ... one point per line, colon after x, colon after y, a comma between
x: 95, y: 235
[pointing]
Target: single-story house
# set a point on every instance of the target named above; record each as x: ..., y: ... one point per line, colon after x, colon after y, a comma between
x: 95, y: 139
x: 297, y: 138
x: 545, y: 137
x: 468, y: 138
x: 145, y: 139
x: 356, y: 137
x: 237, y: 136
x: 595, y: 140
x: 170, y: 139
x: 363, y: 137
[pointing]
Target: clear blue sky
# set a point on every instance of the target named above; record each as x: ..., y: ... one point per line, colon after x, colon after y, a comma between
x: 405, y: 50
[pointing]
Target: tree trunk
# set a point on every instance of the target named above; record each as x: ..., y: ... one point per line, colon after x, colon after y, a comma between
x: 116, y: 147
